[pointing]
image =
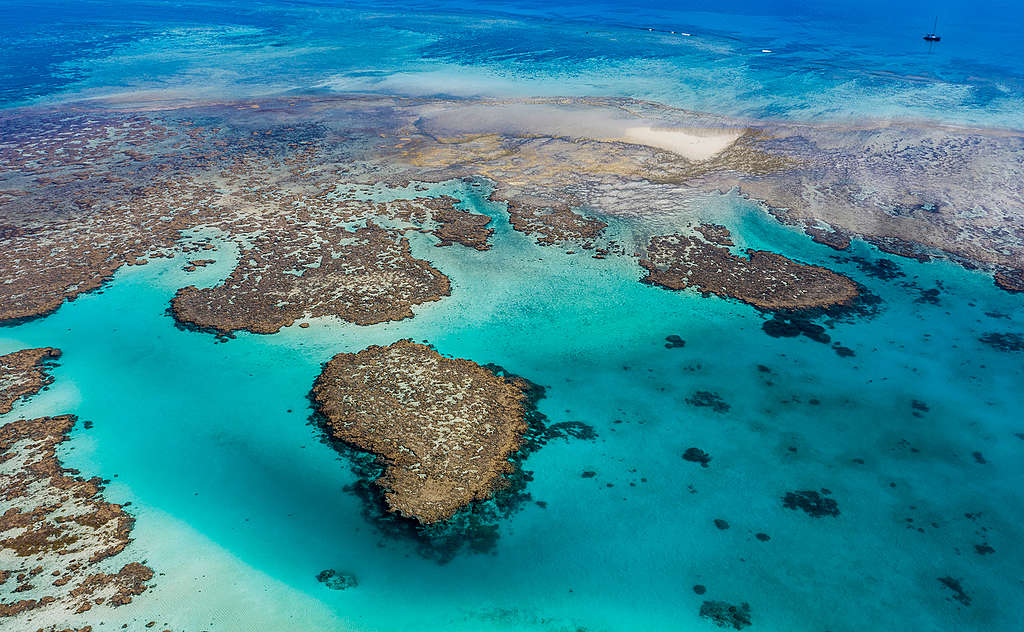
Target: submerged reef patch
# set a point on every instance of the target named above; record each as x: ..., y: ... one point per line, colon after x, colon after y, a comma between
x: 696, y: 455
x: 766, y: 280
x: 813, y: 503
x: 1004, y: 341
x: 782, y: 326
x: 23, y: 374
x: 880, y: 268
x: 444, y: 427
x: 335, y: 580
x: 674, y: 342
x: 707, y: 399
x: 957, y: 589
x: 726, y: 615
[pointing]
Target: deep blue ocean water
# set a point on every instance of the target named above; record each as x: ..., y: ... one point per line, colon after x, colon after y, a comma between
x: 239, y: 504
x: 830, y: 59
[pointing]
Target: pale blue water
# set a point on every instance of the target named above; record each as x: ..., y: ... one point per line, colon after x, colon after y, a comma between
x: 832, y: 59
x: 239, y: 505
x: 235, y: 495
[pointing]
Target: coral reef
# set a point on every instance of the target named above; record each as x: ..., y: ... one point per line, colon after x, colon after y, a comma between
x: 365, y: 276
x: 458, y: 226
x: 812, y: 503
x: 726, y: 615
x: 554, y: 225
x: 335, y: 580
x: 445, y: 427
x: 23, y: 374
x: 56, y: 529
x: 763, y: 279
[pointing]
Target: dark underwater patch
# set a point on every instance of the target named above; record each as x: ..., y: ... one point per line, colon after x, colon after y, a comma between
x: 337, y: 581
x: 791, y: 327
x: 674, y: 342
x: 884, y: 269
x: 1004, y: 341
x: 726, y: 615
x: 812, y: 503
x: 696, y: 455
x: 707, y: 399
x: 841, y: 351
x: 794, y: 323
x: 928, y: 297
x: 958, y: 591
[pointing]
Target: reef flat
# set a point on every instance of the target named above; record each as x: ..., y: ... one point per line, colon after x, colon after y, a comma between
x: 559, y: 226
x: 445, y: 427
x: 57, y: 533
x: 364, y: 276
x: 763, y: 279
x: 83, y: 193
x: 473, y: 224
x: 23, y: 373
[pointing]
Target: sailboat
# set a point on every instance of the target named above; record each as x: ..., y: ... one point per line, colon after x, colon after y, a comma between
x: 933, y: 36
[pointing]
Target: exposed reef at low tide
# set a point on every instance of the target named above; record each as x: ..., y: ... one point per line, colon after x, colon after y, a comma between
x: 85, y: 193
x: 364, y: 276
x: 766, y: 280
x: 459, y: 226
x: 23, y: 373
x: 445, y: 427
x: 555, y: 225
x: 57, y: 533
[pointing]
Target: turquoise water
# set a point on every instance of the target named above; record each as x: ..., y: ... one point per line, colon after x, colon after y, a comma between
x: 240, y: 505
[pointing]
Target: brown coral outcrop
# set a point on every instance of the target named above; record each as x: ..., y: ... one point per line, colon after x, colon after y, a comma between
x: 1011, y: 280
x: 23, y: 373
x: 462, y: 227
x: 716, y: 234
x: 763, y: 279
x: 555, y: 225
x: 365, y: 276
x: 445, y: 427
x: 56, y: 528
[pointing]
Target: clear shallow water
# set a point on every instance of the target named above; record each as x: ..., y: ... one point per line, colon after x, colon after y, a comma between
x: 239, y: 505
x: 832, y: 60
x: 237, y: 498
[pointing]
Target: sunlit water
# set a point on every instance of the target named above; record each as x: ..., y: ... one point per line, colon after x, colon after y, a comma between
x: 826, y: 60
x: 240, y: 505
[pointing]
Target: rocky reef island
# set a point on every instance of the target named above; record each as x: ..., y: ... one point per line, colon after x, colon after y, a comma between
x: 445, y: 427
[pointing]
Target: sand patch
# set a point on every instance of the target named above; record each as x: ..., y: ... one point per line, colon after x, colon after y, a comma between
x: 580, y: 123
x: 690, y: 143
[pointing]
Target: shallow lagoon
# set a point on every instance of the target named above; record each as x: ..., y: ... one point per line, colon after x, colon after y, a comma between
x: 240, y: 505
